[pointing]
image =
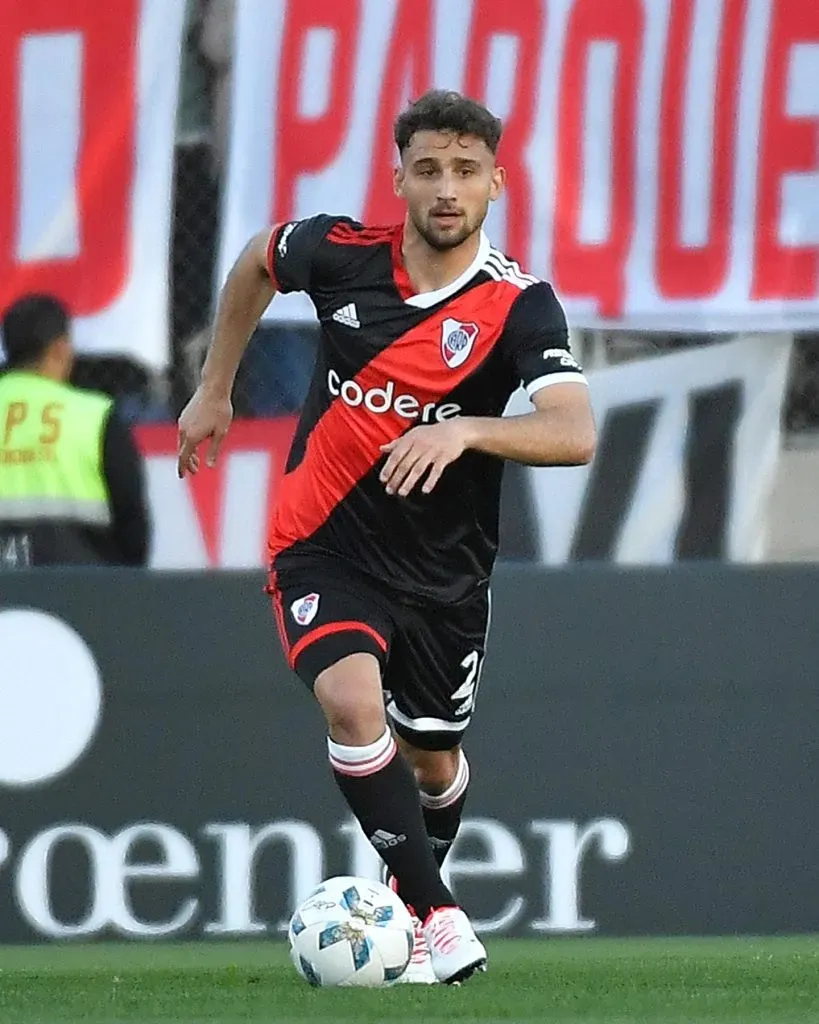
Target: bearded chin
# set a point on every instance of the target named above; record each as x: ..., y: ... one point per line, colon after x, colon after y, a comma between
x: 442, y: 243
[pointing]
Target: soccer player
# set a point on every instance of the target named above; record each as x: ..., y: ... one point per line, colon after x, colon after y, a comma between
x: 386, y: 526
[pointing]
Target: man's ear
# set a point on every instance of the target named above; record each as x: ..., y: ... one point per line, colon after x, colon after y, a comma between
x: 498, y: 183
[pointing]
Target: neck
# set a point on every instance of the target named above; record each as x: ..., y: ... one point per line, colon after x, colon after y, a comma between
x: 430, y: 269
x: 47, y: 368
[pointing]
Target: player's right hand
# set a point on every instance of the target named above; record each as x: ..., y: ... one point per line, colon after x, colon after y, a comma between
x: 207, y: 415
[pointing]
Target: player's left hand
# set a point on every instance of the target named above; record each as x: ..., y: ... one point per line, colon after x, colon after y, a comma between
x: 427, y: 449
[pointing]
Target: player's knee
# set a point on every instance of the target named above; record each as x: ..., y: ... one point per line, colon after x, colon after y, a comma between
x: 353, y: 715
x: 435, y: 770
x: 350, y: 696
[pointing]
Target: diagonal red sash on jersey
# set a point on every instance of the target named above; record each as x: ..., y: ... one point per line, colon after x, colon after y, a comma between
x: 345, y: 444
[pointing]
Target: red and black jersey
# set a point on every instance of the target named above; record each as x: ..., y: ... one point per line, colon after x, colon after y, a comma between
x: 389, y: 360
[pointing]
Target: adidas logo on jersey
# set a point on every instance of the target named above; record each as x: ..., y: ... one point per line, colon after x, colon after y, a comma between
x: 383, y: 840
x: 347, y: 315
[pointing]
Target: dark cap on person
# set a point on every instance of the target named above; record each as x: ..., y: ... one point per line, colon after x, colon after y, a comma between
x: 30, y: 325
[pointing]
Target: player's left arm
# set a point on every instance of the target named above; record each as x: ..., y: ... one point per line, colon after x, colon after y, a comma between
x: 560, y: 431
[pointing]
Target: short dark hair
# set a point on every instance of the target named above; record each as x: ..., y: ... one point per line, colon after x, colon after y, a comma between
x: 30, y: 325
x: 442, y: 110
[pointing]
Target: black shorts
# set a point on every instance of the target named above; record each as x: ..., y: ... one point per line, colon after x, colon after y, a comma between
x: 430, y: 655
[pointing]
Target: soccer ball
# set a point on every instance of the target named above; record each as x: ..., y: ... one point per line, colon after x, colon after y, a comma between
x: 353, y: 932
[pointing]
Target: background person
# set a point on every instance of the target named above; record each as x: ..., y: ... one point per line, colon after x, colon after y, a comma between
x: 72, y: 489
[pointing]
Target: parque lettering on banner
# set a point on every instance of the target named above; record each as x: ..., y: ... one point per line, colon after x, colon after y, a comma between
x: 518, y: 29
x: 696, y: 262
x: 785, y: 267
x: 603, y: 46
x: 408, y: 64
x: 663, y: 159
x: 320, y: 133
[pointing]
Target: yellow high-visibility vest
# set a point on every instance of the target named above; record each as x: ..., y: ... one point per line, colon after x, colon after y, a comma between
x: 51, y: 439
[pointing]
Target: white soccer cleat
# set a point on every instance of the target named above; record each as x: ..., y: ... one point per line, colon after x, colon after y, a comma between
x: 419, y: 970
x: 455, y: 950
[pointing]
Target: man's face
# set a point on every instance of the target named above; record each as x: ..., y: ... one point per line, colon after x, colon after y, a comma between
x: 448, y: 181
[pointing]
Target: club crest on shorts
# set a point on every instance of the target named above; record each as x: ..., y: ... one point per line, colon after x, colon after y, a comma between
x: 457, y: 340
x: 304, y: 609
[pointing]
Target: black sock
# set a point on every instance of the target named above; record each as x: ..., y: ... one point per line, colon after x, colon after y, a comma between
x: 380, y: 789
x: 443, y: 813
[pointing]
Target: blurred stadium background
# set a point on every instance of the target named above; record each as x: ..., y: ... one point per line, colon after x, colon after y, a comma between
x: 710, y: 456
x: 276, y: 371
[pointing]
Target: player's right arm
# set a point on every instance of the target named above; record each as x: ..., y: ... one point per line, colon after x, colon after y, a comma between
x: 292, y: 257
x: 246, y: 294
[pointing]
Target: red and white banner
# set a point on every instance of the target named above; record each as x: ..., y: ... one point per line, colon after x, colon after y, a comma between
x: 88, y: 94
x: 219, y: 518
x: 663, y: 157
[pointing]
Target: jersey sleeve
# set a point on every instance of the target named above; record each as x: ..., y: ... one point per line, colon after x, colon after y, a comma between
x: 299, y: 257
x: 536, y: 336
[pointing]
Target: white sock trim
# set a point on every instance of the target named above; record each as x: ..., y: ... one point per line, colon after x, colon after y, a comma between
x: 362, y: 760
x: 455, y: 791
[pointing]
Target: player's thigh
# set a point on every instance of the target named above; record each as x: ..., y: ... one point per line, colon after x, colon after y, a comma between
x: 434, y: 672
x: 321, y: 622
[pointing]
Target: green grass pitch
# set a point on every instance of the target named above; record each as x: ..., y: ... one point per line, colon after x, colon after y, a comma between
x: 596, y: 981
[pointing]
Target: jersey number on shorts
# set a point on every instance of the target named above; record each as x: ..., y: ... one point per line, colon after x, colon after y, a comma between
x: 466, y: 693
